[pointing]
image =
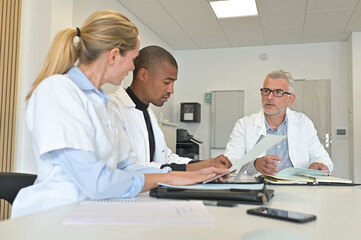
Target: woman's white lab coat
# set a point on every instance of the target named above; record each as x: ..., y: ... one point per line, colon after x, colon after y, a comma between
x: 122, y: 110
x: 60, y: 114
x: 303, y: 143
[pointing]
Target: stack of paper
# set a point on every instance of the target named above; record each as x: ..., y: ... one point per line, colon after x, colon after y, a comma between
x: 131, y: 212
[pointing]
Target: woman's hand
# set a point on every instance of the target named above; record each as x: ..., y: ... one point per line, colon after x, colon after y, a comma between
x: 182, y: 178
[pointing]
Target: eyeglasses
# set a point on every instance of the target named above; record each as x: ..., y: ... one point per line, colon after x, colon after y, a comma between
x: 276, y: 92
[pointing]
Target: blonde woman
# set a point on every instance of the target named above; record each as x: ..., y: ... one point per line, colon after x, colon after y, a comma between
x: 77, y: 150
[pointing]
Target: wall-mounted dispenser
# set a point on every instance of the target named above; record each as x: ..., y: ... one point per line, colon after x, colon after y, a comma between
x: 190, y: 112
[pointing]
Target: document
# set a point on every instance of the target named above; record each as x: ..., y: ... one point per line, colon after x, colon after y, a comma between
x: 304, y: 176
x: 140, y: 212
x: 260, y: 148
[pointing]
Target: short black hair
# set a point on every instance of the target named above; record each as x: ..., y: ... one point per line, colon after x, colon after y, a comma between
x: 150, y: 57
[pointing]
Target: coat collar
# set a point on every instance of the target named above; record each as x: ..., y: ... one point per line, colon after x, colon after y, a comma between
x: 79, y: 78
x: 260, y: 121
x: 122, y: 95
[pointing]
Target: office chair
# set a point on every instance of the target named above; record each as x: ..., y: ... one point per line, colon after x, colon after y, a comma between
x: 11, y: 183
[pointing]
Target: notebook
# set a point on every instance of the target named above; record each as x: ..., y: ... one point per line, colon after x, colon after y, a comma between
x: 305, y: 176
x: 140, y: 212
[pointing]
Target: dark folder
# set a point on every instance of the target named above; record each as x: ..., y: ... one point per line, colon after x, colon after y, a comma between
x: 239, y: 196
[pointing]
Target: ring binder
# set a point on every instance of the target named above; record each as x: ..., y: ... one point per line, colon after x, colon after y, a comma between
x: 314, y: 179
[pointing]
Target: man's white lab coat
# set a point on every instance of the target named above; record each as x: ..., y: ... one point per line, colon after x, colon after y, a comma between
x: 303, y: 143
x: 123, y: 113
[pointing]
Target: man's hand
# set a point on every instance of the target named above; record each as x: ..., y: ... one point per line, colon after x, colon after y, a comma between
x: 219, y: 162
x: 267, y: 164
x: 318, y: 166
x: 186, y: 178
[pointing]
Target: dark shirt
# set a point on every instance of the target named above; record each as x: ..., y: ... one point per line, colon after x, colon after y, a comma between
x: 179, y: 167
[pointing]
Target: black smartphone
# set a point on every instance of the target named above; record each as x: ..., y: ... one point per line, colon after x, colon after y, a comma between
x: 282, y: 214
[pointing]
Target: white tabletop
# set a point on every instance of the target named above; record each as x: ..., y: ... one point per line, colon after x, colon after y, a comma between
x: 337, y: 209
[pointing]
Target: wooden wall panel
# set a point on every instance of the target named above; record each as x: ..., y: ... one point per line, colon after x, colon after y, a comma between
x: 10, y: 19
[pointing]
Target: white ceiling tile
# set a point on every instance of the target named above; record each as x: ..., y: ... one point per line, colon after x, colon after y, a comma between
x: 354, y: 23
x: 246, y: 37
x: 131, y: 4
x: 330, y: 4
x: 243, y: 31
x: 336, y: 18
x: 321, y: 34
x: 283, y: 36
x: 165, y: 27
x: 198, y: 21
x: 185, y: 10
x: 231, y: 24
x: 191, y: 24
x: 284, y: 20
x: 167, y: 3
x: 280, y: 6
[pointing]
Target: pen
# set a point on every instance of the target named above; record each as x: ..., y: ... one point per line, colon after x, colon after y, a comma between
x: 220, y: 203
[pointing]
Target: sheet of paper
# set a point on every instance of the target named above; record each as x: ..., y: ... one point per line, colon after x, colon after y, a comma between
x: 135, y: 212
x: 267, y: 142
x: 216, y: 186
x: 290, y: 172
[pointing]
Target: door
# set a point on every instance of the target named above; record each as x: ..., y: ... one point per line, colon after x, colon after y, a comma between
x: 313, y: 99
x: 227, y: 108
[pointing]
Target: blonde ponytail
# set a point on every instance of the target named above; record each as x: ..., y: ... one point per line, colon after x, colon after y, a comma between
x: 61, y: 57
x: 102, y: 31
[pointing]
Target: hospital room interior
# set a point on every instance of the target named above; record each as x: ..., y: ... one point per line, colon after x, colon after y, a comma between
x: 230, y: 56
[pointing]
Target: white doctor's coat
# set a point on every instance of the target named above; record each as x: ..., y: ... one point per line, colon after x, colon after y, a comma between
x: 303, y: 144
x: 123, y: 113
x: 60, y: 114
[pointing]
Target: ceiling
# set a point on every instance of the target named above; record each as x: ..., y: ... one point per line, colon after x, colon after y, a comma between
x: 191, y: 24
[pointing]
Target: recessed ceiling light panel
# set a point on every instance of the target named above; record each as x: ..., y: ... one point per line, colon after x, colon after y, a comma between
x: 234, y: 8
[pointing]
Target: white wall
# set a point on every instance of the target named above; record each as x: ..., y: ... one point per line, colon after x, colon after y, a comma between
x: 202, y: 71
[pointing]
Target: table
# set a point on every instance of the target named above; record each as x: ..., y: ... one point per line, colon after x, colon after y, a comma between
x: 337, y: 209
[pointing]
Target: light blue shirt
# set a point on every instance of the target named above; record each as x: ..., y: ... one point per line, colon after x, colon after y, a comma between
x: 78, y: 77
x: 280, y: 149
x: 76, y: 164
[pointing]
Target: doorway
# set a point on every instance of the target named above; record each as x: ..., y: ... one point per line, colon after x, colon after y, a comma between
x: 313, y: 98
